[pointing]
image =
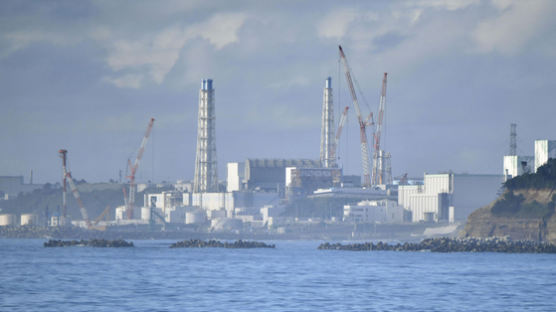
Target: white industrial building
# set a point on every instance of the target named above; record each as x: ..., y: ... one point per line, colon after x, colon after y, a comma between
x: 236, y: 176
x: 517, y: 165
x: 449, y: 196
x: 179, y: 207
x: 374, y: 211
x: 544, y: 149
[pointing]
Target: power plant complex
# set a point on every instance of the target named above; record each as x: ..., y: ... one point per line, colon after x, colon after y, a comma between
x: 272, y: 194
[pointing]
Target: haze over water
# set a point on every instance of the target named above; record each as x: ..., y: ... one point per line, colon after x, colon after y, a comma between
x: 293, y: 277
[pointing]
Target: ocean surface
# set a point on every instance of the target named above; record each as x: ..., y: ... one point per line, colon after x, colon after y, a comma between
x: 293, y: 277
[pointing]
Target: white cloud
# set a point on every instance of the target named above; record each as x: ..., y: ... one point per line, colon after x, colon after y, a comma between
x: 298, y: 81
x: 157, y: 54
x: 220, y: 30
x: 336, y: 23
x: 18, y: 40
x: 517, y: 23
x: 127, y: 81
x: 450, y: 5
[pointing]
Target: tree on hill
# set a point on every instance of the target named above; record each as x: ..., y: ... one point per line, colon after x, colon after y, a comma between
x: 544, y: 178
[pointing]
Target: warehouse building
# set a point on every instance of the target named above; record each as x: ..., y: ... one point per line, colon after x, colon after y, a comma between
x: 449, y: 196
x: 544, y: 149
x: 304, y: 181
x: 374, y: 211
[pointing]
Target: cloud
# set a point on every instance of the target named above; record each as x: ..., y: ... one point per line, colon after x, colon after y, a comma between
x: 127, y: 81
x: 517, y: 23
x: 336, y: 23
x: 18, y: 40
x: 153, y: 56
x: 450, y: 5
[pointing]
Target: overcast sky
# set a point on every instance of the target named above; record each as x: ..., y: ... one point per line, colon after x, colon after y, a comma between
x: 87, y: 76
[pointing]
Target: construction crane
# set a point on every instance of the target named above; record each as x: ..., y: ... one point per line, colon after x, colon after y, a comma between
x: 73, y: 188
x: 339, y: 132
x: 362, y: 123
x: 378, y: 161
x: 103, y: 214
x: 133, y: 170
x: 63, y: 155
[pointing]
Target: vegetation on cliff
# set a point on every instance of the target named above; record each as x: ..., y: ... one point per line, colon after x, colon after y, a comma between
x: 544, y: 178
x: 525, y: 211
x: 530, y: 195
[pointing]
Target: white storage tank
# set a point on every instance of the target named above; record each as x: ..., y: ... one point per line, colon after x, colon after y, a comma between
x: 7, y: 219
x: 29, y: 219
x: 195, y: 217
x: 120, y: 213
x: 145, y: 213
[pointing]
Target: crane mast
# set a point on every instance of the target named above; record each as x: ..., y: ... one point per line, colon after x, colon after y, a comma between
x: 63, y: 155
x: 339, y: 132
x: 75, y: 193
x: 362, y: 123
x: 378, y: 161
x: 67, y: 178
x: 133, y: 168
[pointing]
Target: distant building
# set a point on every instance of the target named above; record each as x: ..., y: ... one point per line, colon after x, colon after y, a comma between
x: 375, y: 211
x: 270, y: 174
x: 235, y: 177
x: 304, y: 181
x: 11, y: 186
x: 517, y: 165
x: 449, y: 196
x: 544, y: 149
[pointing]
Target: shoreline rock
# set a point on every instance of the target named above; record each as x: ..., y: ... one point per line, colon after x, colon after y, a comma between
x: 89, y: 243
x: 450, y: 245
x: 197, y: 243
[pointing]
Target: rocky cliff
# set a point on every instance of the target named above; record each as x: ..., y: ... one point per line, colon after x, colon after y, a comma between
x: 526, y: 214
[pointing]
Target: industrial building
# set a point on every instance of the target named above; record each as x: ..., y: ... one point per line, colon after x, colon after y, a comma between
x: 449, y: 196
x: 304, y: 181
x: 544, y: 149
x: 270, y: 174
x: 374, y: 211
x: 206, y: 171
x: 176, y: 206
x: 235, y: 180
x: 517, y: 165
x: 11, y: 186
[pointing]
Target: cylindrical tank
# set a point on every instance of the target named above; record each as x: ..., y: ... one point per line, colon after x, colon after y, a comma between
x: 7, y: 219
x: 195, y: 217
x: 29, y: 219
x: 120, y: 213
x: 145, y: 213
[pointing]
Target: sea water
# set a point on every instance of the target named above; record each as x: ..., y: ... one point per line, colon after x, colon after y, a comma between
x: 293, y: 277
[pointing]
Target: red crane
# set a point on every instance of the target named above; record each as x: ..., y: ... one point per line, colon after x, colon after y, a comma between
x: 339, y: 132
x: 74, y: 191
x: 133, y: 171
x: 362, y: 123
x: 378, y: 172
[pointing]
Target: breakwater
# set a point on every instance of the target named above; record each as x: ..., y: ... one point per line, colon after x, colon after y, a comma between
x: 197, y: 243
x: 450, y: 245
x: 89, y: 243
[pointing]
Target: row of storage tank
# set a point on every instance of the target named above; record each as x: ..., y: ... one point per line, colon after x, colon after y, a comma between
x: 25, y: 219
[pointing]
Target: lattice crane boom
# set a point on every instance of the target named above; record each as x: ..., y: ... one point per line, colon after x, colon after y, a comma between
x: 362, y: 123
x: 75, y: 193
x: 377, y: 173
x: 133, y: 170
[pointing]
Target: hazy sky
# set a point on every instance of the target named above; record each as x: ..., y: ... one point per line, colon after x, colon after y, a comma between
x: 87, y: 76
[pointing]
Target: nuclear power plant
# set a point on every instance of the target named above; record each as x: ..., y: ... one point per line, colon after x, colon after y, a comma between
x: 279, y: 195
